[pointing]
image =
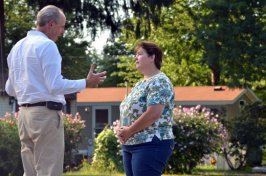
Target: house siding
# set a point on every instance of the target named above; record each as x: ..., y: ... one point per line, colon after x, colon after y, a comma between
x: 4, y: 106
x: 115, y: 113
x: 87, y: 132
x: 73, y: 107
x: 235, y: 108
x: 87, y: 116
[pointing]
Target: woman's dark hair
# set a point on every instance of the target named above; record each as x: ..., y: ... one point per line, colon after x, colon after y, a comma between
x: 151, y: 48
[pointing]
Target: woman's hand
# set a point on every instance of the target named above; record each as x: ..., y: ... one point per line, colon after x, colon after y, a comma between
x: 123, y: 134
x: 116, y: 128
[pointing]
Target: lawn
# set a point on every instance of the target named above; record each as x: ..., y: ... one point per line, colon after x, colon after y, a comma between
x: 197, y: 171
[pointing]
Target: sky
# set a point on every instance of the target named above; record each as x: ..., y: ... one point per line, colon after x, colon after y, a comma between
x: 100, y: 41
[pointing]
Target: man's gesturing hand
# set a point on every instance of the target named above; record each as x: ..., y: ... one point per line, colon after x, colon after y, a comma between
x: 93, y: 80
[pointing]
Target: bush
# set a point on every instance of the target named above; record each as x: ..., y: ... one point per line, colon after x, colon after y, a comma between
x: 73, y: 137
x: 197, y: 134
x: 10, y: 146
x: 108, y: 152
x: 247, y: 134
x: 10, y: 157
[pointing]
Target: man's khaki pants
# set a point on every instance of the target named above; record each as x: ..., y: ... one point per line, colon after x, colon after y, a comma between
x: 41, y: 132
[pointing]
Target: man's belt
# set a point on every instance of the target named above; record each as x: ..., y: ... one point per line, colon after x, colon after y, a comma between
x: 49, y: 104
x: 34, y: 104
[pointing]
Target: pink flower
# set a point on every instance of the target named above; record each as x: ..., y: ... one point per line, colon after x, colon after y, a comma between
x: 198, y: 106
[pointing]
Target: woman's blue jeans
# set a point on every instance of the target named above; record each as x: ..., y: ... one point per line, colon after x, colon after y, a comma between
x: 147, y: 159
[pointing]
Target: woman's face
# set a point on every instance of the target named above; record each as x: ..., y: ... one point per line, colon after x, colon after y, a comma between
x: 143, y: 60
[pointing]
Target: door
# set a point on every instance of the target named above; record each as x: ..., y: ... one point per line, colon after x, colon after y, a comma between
x: 101, y: 116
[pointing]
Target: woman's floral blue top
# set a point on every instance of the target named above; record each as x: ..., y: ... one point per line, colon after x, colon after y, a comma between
x: 155, y: 90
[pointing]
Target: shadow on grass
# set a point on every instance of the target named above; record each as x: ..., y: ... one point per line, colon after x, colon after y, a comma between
x: 199, y: 171
x: 214, y: 172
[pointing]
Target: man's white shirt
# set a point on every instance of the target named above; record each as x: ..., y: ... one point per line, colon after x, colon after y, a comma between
x: 35, y: 71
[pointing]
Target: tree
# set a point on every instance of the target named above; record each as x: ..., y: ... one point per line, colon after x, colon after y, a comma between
x: 76, y: 56
x: 242, y: 138
x: 2, y: 47
x: 109, y: 62
x: 105, y: 14
x: 182, y: 54
x: 19, y: 19
x: 233, y: 37
x: 96, y: 14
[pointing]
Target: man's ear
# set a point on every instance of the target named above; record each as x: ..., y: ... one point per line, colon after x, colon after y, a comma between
x: 50, y: 24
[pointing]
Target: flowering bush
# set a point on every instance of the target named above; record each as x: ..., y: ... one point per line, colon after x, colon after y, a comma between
x: 197, y: 134
x: 10, y: 146
x: 108, y: 152
x: 73, y: 137
x: 10, y: 158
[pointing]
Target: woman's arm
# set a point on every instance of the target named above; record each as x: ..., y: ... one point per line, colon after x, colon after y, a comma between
x: 150, y: 116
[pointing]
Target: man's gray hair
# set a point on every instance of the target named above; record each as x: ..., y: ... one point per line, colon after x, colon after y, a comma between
x: 48, y: 13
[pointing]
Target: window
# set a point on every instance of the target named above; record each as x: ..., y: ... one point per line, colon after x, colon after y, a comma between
x: 242, y: 104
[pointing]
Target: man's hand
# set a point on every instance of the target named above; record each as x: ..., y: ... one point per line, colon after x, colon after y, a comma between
x: 93, y: 80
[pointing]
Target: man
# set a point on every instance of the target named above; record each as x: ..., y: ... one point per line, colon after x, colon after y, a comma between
x: 35, y: 79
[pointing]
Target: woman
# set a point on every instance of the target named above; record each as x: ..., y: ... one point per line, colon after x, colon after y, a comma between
x: 146, y: 116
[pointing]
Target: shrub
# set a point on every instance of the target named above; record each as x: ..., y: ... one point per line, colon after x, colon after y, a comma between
x: 247, y: 135
x: 10, y: 146
x: 197, y: 134
x: 108, y: 152
x: 10, y: 157
x: 73, y: 137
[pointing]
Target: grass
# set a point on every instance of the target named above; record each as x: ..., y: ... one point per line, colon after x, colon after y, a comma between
x: 198, y: 171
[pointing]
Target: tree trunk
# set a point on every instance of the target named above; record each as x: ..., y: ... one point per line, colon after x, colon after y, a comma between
x: 215, y: 76
x: 2, y: 47
x: 214, y: 64
x: 228, y: 160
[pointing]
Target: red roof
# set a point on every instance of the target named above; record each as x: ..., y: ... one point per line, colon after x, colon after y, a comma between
x: 198, y: 93
x: 206, y: 93
x: 107, y: 94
